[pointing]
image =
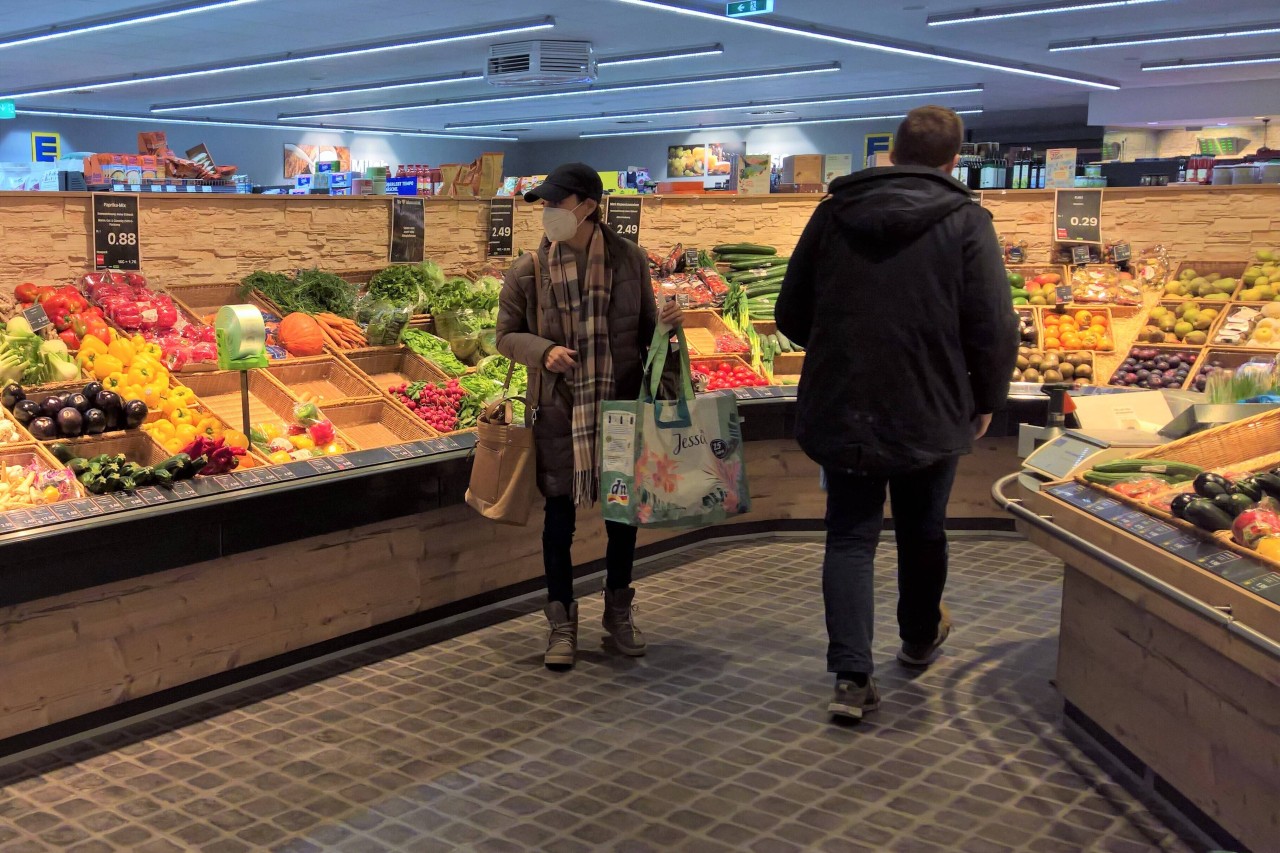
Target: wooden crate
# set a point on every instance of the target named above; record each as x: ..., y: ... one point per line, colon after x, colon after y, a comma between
x: 1226, y: 269
x: 378, y: 423
x: 24, y: 436
x: 787, y: 367
x: 40, y: 393
x: 386, y: 367
x: 1220, y: 327
x: 326, y: 380
x: 701, y: 328
x: 33, y: 454
x: 203, y: 301
x: 707, y: 363
x: 1187, y: 354
x: 220, y: 393
x: 1176, y: 305
x: 1071, y: 310
x: 135, y: 444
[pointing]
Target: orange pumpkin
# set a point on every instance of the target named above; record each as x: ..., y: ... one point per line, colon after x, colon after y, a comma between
x: 301, y: 335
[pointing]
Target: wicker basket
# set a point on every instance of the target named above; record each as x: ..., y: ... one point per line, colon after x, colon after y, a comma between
x: 394, y: 366
x: 135, y: 444
x: 787, y: 364
x: 24, y: 435
x: 701, y: 328
x: 326, y: 380
x: 202, y: 300
x: 1225, y: 445
x: 1175, y: 305
x: 1103, y: 310
x: 709, y: 363
x: 1230, y: 359
x: 1226, y: 269
x: 1186, y: 353
x: 220, y: 393
x: 25, y: 455
x: 378, y: 423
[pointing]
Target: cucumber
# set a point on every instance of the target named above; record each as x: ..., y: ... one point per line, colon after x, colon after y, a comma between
x: 1115, y: 479
x: 749, y: 276
x: 764, y: 288
x: 785, y: 342
x: 744, y: 249
x: 757, y: 262
x: 1181, y: 470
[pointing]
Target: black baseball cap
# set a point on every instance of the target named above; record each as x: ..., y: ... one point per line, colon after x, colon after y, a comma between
x: 570, y: 179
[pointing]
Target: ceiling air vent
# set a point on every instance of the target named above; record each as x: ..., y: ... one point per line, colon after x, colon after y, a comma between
x: 540, y: 63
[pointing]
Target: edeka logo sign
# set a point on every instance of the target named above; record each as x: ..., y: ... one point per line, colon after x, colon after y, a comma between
x: 873, y: 144
x: 45, y: 147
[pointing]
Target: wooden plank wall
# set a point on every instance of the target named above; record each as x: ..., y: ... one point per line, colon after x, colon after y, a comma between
x: 68, y: 655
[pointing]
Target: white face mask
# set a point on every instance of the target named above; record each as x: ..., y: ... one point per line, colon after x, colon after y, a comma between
x: 560, y: 224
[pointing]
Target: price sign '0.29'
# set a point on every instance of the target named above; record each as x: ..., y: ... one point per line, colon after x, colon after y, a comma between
x: 115, y: 232
x: 1078, y: 216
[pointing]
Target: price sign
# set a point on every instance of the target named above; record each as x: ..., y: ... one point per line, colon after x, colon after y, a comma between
x: 502, y: 217
x: 690, y: 259
x: 623, y: 216
x: 1079, y: 255
x: 1078, y: 216
x: 1121, y: 252
x: 115, y: 232
x: 408, y: 228
x: 37, y: 317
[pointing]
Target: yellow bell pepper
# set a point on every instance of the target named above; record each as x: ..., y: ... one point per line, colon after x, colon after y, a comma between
x: 333, y: 448
x: 269, y: 430
x: 186, y: 432
x: 113, y: 381
x: 141, y: 373
x: 174, y: 445
x: 209, y: 427
x: 182, y: 415
x: 120, y: 349
x: 183, y: 395
x: 107, y: 365
x: 235, y: 438
x: 153, y: 352
x: 92, y: 345
x: 280, y: 457
x: 162, y: 430
x: 302, y: 442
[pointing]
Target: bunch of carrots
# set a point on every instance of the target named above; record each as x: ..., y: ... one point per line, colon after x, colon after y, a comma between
x: 342, y: 332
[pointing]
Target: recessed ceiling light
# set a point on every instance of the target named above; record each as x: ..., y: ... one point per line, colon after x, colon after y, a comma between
x: 513, y: 129
x: 997, y: 13
x: 634, y: 121
x: 869, y: 43
x: 752, y: 125
x: 93, y: 25
x: 661, y: 55
x: 1269, y: 28
x: 760, y: 105
x: 1222, y: 124
x: 1222, y: 62
x: 661, y: 83
x: 291, y: 58
x: 1153, y: 122
x: 770, y: 113
x: 316, y: 93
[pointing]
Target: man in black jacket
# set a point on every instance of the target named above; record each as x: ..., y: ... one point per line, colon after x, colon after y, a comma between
x: 898, y: 293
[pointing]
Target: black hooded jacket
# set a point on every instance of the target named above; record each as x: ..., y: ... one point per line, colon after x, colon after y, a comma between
x: 898, y: 293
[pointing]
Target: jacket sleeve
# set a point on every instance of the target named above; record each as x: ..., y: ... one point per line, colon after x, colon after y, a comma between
x: 515, y: 339
x: 795, y: 306
x: 988, y: 323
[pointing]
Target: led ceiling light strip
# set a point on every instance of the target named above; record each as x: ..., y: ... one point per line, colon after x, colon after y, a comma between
x: 661, y: 55
x: 317, y: 93
x: 860, y: 41
x: 378, y: 131
x: 1264, y: 29
x: 594, y: 90
x: 1221, y: 62
x: 291, y: 58
x: 839, y: 99
x: 94, y: 25
x: 604, y: 134
x: 998, y: 13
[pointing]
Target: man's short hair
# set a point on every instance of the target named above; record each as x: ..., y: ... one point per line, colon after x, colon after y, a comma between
x: 929, y: 136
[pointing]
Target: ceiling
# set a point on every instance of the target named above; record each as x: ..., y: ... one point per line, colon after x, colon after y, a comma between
x: 265, y: 29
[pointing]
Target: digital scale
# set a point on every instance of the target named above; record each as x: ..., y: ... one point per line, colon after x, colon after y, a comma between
x: 1077, y: 450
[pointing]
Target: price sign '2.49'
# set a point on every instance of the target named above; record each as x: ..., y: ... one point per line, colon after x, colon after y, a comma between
x: 623, y: 216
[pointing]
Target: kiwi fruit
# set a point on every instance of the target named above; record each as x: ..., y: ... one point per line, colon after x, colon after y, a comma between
x: 1052, y: 376
x: 1031, y: 375
x: 1067, y: 369
x: 1022, y: 362
x: 1084, y: 371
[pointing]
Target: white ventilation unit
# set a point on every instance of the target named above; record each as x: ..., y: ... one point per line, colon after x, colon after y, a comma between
x: 540, y: 63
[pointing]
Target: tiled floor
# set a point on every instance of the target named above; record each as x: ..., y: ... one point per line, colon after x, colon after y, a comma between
x: 717, y: 741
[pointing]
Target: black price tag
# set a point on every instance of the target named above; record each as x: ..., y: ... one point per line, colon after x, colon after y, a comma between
x: 36, y: 316
x: 1063, y: 293
x: 502, y: 221
x: 1017, y: 255
x: 1080, y: 255
x: 400, y: 451
x: 115, y: 232
x: 67, y: 511
x: 1078, y: 216
x: 227, y: 482
x: 623, y: 216
x: 183, y: 489
x: 341, y: 462
x: 322, y: 465
x: 690, y: 259
x: 130, y: 500
x: 1121, y: 253
x: 408, y: 230
x: 152, y: 496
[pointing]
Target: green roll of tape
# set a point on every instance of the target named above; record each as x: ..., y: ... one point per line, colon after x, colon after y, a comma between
x: 242, y: 336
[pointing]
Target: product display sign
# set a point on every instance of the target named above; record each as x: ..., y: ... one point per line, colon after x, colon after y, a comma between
x: 1121, y: 253
x: 1079, y: 255
x: 623, y: 216
x: 408, y: 229
x: 502, y: 218
x: 1060, y: 168
x: 115, y: 232
x: 1078, y: 216
x: 36, y: 316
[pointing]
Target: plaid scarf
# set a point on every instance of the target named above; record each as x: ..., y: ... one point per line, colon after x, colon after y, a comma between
x: 584, y: 316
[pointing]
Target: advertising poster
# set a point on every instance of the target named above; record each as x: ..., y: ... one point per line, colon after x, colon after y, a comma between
x: 302, y: 159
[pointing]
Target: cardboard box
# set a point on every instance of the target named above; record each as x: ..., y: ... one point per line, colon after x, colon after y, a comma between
x: 122, y: 168
x: 681, y: 188
x: 802, y: 169
x: 751, y: 174
x: 836, y: 166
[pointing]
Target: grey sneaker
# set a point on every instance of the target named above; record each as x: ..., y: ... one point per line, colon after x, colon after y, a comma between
x: 619, y: 621
x: 918, y: 654
x: 562, y: 637
x: 851, y: 701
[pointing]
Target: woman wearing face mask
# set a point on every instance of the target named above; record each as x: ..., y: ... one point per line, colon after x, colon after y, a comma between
x: 581, y: 319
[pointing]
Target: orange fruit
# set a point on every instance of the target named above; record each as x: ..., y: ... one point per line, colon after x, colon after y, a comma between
x: 1071, y: 341
x: 1104, y: 344
x: 1052, y: 343
x: 1084, y: 318
x: 1088, y: 341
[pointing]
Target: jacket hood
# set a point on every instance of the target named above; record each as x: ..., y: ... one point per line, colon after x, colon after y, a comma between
x: 895, y: 204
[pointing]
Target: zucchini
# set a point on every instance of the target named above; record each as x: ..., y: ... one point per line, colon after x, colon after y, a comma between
x: 744, y: 249
x: 753, y: 263
x: 764, y: 288
x: 1101, y: 479
x: 785, y: 342
x: 1181, y: 470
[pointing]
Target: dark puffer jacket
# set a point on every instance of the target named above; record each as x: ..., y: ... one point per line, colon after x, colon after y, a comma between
x: 897, y: 291
x: 529, y: 325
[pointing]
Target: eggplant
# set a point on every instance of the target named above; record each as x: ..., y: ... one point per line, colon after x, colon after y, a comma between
x: 1210, y: 485
x: 1250, y: 487
x: 26, y: 411
x: 12, y: 395
x: 113, y: 407
x: 79, y: 402
x: 51, y: 406
x: 91, y: 391
x: 43, y: 428
x: 1233, y: 504
x: 1180, y: 502
x: 1203, y: 513
x: 70, y: 422
x: 1269, y: 483
x: 135, y: 412
x: 95, y: 422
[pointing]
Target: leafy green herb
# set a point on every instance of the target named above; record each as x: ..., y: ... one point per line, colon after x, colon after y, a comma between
x: 310, y: 291
x: 433, y: 349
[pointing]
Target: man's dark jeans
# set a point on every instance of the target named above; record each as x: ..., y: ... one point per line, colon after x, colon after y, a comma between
x: 855, y: 517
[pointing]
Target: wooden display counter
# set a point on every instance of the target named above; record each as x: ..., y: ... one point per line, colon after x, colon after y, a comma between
x: 1183, y: 673
x: 137, y: 604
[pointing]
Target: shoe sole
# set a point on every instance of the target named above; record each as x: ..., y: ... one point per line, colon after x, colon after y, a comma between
x: 611, y: 643
x: 928, y: 659
x: 850, y: 712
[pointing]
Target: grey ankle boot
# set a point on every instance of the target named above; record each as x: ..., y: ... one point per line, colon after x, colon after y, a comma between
x: 562, y: 637
x: 619, y: 621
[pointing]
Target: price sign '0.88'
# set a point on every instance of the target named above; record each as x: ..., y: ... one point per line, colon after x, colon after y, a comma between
x: 1078, y: 216
x: 115, y: 232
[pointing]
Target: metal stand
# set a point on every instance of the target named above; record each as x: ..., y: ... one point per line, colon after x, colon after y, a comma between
x: 244, y: 399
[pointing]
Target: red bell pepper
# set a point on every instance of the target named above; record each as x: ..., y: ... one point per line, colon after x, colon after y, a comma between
x: 70, y: 338
x: 26, y: 292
